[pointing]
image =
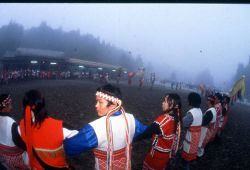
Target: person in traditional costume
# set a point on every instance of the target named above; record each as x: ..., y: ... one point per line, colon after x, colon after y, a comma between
x: 141, y: 77
x: 225, y: 110
x: 41, y: 135
x: 192, y: 122
x: 208, y: 125
x: 111, y: 135
x: 219, y: 116
x: 11, y: 156
x: 165, y: 132
x: 119, y: 76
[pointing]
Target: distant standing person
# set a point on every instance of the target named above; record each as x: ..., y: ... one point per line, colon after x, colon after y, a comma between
x: 130, y: 76
x: 152, y: 80
x: 119, y: 76
x: 141, y: 76
x: 192, y: 122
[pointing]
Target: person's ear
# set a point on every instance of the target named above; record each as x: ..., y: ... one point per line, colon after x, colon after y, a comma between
x: 113, y: 105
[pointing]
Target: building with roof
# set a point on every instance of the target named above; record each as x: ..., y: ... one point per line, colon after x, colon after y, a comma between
x: 48, y: 60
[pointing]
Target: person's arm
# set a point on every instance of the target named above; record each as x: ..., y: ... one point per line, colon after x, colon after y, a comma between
x: 18, y: 141
x: 148, y: 132
x: 207, y: 118
x: 69, y: 133
x: 224, y: 111
x: 16, y: 137
x: 82, y: 141
x: 187, y: 120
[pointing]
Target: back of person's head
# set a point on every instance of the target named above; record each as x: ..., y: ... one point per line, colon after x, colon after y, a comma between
x: 35, y: 100
x: 110, y: 90
x: 5, y: 100
x: 211, y: 99
x: 194, y: 99
x: 218, y: 96
x: 226, y: 98
x: 176, y: 98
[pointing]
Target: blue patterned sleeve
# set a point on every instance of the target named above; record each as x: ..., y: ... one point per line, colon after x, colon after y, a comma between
x: 83, y: 141
x: 139, y: 128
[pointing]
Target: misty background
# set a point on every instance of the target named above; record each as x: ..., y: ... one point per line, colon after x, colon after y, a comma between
x: 194, y: 43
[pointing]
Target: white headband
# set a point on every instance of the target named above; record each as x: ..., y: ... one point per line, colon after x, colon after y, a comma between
x: 108, y: 97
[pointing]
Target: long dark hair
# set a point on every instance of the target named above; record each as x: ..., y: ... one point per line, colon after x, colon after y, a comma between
x: 175, y: 111
x: 174, y: 102
x: 35, y: 100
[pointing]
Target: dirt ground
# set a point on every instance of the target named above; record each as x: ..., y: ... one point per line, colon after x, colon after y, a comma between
x: 74, y: 100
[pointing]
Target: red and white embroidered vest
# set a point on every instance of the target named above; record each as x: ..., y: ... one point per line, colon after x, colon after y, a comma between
x: 192, y: 137
x: 164, y: 142
x: 207, y: 131
x: 10, y: 155
x: 119, y: 141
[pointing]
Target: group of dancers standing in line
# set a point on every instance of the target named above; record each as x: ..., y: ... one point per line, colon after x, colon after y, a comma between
x: 40, y: 142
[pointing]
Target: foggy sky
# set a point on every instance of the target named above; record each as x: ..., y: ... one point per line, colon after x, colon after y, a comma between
x: 185, y: 37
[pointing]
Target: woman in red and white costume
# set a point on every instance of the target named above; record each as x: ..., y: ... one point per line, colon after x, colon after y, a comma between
x: 165, y: 132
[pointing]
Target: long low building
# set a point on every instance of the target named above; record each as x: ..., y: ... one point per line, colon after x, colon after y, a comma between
x: 92, y: 64
x: 28, y: 58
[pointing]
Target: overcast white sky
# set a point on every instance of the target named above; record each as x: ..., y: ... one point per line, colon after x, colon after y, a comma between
x: 187, y: 37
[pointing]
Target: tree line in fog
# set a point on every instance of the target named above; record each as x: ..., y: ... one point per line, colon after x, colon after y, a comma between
x: 72, y: 43
x: 87, y: 47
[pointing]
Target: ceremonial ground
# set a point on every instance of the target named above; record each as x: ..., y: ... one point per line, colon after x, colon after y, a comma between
x: 74, y: 101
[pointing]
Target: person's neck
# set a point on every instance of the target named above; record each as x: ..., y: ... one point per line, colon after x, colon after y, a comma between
x: 117, y: 113
x: 5, y: 110
x: 4, y: 113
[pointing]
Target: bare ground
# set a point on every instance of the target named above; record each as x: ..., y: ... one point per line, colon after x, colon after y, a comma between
x: 74, y: 100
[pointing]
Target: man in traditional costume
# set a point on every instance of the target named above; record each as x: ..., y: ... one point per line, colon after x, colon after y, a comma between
x: 192, y: 122
x: 208, y: 125
x: 11, y: 156
x: 111, y: 135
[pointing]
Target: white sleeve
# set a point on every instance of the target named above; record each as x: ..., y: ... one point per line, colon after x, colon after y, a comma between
x: 25, y: 158
x: 69, y: 133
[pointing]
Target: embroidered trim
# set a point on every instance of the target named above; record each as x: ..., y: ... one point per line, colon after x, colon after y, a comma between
x: 109, y: 132
x: 6, y: 102
x: 108, y: 97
